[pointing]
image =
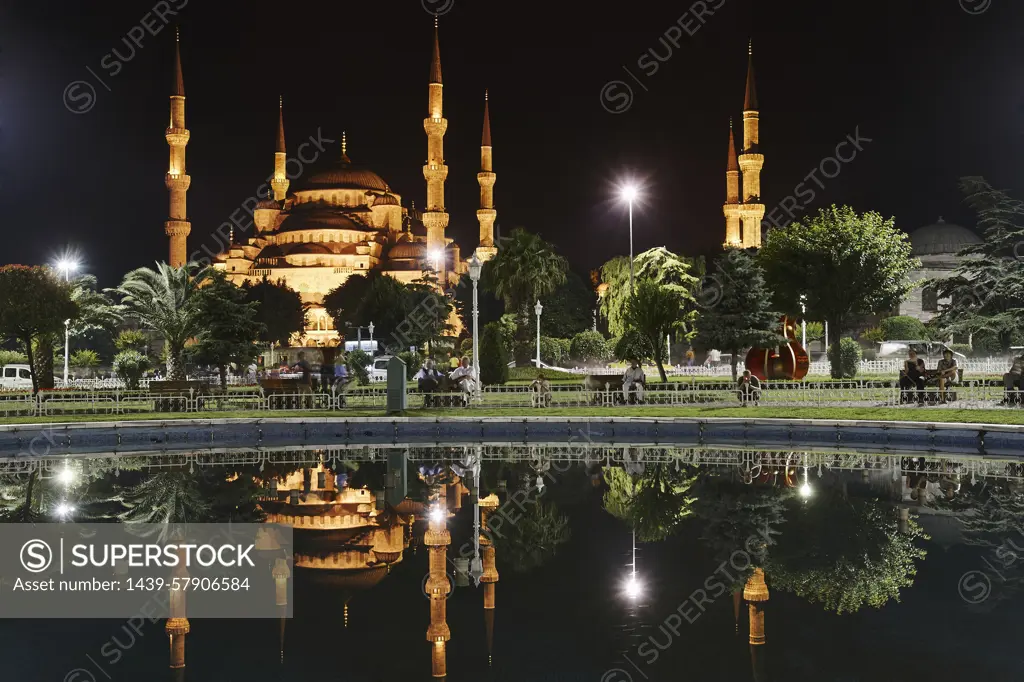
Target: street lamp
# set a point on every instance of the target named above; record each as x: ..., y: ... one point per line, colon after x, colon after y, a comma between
x: 803, y: 319
x: 370, y: 327
x: 629, y: 193
x: 67, y: 266
x: 475, y: 268
x: 538, y: 309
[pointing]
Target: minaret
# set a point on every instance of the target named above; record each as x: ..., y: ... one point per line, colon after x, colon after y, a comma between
x: 486, y: 177
x: 732, y: 208
x: 751, y: 161
x: 177, y: 626
x: 756, y: 594
x: 435, y: 171
x: 437, y: 538
x: 280, y: 182
x: 490, y: 575
x: 177, y: 180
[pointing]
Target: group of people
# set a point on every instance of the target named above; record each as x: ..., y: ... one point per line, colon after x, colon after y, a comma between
x: 430, y: 379
x: 915, y: 375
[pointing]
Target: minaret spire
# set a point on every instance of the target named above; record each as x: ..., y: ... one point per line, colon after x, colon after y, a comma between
x: 486, y: 214
x: 751, y: 161
x: 280, y: 182
x: 177, y: 181
x: 732, y: 208
x: 435, y: 218
x: 344, y: 148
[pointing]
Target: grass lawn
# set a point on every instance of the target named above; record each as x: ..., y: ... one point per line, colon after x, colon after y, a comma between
x: 904, y: 414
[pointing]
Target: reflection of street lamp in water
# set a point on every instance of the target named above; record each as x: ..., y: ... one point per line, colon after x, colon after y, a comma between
x: 633, y: 586
x: 805, y: 489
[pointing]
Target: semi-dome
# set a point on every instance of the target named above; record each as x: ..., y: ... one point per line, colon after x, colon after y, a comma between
x: 310, y: 248
x: 271, y: 251
x: 407, y: 250
x: 321, y: 216
x: 387, y: 199
x: 268, y: 204
x: 941, y: 239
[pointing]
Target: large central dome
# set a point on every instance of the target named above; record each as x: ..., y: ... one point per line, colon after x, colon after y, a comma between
x: 343, y: 174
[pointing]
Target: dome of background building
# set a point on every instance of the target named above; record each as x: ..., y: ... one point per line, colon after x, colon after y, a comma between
x: 387, y: 199
x: 269, y: 203
x: 941, y: 239
x: 345, y: 175
x: 320, y: 215
x: 407, y: 250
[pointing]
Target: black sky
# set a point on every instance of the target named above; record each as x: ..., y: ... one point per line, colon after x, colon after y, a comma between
x: 936, y: 89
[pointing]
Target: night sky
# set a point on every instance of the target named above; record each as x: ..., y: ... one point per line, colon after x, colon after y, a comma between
x: 936, y: 88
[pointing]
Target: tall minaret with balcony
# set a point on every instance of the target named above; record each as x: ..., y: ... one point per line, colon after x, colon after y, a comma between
x: 435, y: 171
x: 732, y: 207
x: 437, y: 538
x: 486, y: 177
x: 280, y: 182
x: 177, y: 180
x: 751, y: 162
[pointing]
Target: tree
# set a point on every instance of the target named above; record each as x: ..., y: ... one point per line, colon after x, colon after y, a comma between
x: 738, y: 311
x: 493, y: 356
x: 847, y: 264
x: 845, y: 554
x: 131, y: 361
x: 84, y: 359
x: 652, y: 503
x: 166, y: 300
x: 280, y: 310
x: 986, y: 289
x: 534, y: 539
x: 589, y: 348
x: 653, y: 313
x: 166, y: 498
x: 903, y: 328
x: 674, y: 273
x: 33, y: 304
x: 568, y: 310
x: 526, y: 269
x: 229, y: 326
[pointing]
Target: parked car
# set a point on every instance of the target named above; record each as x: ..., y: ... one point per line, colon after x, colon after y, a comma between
x: 378, y: 369
x: 15, y: 377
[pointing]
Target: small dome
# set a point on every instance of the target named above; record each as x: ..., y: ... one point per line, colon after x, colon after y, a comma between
x: 407, y: 250
x: 268, y: 204
x: 387, y: 199
x: 272, y: 251
x: 941, y: 239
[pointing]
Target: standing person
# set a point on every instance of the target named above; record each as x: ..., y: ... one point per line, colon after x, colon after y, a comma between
x: 303, y: 367
x: 689, y: 357
x: 634, y: 379
x: 714, y: 357
x: 453, y: 362
x: 1014, y: 381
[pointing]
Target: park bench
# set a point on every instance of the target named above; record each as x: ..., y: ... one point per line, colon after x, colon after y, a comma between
x: 175, y: 396
x: 287, y: 393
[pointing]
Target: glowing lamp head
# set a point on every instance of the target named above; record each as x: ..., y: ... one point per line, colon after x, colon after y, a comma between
x: 805, y: 491
x: 629, y: 192
x: 437, y: 515
x: 66, y: 265
x: 66, y: 476
x: 633, y: 587
x: 64, y: 510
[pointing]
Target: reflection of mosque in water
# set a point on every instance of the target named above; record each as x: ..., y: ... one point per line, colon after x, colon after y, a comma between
x: 357, y: 513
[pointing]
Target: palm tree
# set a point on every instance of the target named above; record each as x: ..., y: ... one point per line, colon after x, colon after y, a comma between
x: 165, y: 300
x: 526, y: 269
x: 166, y: 499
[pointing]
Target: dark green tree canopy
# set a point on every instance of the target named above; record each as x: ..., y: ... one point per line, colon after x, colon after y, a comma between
x: 526, y: 268
x: 674, y: 273
x: 229, y: 325
x: 280, y: 310
x: 653, y: 503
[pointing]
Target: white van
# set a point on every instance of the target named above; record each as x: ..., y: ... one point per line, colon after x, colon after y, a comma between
x: 15, y: 377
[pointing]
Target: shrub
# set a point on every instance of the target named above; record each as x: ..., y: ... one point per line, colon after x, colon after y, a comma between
x: 356, y: 362
x: 815, y: 331
x: 964, y: 348
x: 870, y: 354
x: 84, y: 358
x: 589, y: 348
x: 564, y: 345
x: 550, y: 351
x: 12, y: 357
x: 872, y: 336
x: 131, y: 339
x: 848, y: 361
x: 413, y: 362
x: 903, y: 328
x: 493, y: 355
x: 633, y: 346
x: 129, y: 366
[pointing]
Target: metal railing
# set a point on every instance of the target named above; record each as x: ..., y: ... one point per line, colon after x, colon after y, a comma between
x: 972, y: 395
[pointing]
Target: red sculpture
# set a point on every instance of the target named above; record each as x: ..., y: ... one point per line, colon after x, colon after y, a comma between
x: 789, y: 361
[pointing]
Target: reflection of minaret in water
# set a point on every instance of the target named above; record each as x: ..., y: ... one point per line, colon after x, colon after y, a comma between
x: 490, y: 576
x: 177, y: 626
x: 756, y: 594
x: 437, y: 538
x: 281, y: 573
x: 737, y: 602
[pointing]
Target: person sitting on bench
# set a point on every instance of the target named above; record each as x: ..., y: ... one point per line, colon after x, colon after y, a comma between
x: 634, y: 379
x: 541, y: 391
x: 911, y: 377
x: 749, y: 388
x: 947, y: 372
x: 428, y: 379
x: 463, y: 376
x: 1014, y: 381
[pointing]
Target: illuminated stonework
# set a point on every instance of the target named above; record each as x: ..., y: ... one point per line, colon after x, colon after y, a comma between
x: 745, y: 212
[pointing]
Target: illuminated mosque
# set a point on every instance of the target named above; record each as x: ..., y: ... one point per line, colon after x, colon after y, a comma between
x: 339, y: 219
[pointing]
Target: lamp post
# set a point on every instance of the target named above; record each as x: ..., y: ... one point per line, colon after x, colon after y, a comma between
x: 629, y: 193
x: 475, y: 267
x: 66, y: 265
x: 538, y: 309
x: 803, y: 319
x: 370, y: 327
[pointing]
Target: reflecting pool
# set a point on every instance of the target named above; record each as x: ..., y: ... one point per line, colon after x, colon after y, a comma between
x: 548, y: 562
